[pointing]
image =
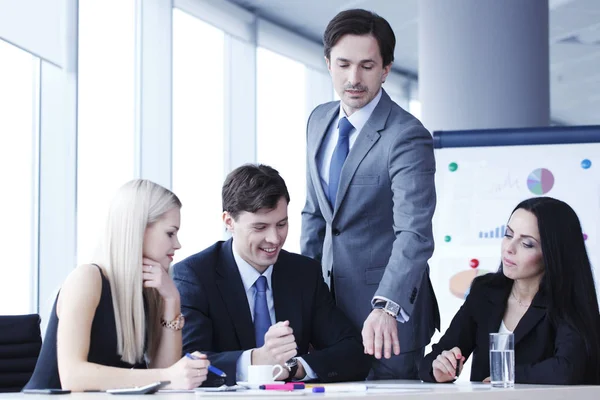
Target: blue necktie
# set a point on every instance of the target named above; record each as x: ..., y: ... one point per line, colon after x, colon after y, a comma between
x: 262, y: 319
x: 337, y: 159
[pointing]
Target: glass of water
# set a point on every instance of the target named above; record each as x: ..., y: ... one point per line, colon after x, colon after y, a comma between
x: 502, y: 359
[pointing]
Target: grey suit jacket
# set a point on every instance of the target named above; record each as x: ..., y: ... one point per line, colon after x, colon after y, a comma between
x: 378, y: 238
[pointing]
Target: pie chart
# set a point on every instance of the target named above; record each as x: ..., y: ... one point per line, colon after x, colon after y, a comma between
x: 460, y: 283
x: 540, y: 181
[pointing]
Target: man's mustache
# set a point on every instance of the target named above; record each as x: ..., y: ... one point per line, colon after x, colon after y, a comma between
x: 357, y: 87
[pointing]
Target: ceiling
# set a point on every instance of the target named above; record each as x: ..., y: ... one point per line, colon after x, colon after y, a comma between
x: 574, y: 43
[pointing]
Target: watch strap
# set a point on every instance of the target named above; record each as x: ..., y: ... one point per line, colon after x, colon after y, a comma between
x: 292, y: 367
x: 389, y: 307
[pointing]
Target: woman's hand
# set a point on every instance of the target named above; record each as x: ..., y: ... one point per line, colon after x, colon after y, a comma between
x: 448, y: 365
x: 188, y: 373
x: 155, y: 276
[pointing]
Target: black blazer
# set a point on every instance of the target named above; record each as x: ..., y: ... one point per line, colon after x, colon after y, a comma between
x: 219, y: 322
x: 545, y: 353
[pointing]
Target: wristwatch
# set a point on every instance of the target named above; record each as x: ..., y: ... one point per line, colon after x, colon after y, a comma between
x: 176, y: 324
x: 292, y: 367
x: 388, y: 306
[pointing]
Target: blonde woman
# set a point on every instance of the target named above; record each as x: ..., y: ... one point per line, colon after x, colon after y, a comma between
x: 117, y: 322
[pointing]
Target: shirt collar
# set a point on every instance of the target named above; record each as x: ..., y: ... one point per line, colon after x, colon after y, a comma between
x: 248, y: 273
x: 360, y: 117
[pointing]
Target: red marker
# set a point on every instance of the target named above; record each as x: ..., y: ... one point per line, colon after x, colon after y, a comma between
x: 474, y: 263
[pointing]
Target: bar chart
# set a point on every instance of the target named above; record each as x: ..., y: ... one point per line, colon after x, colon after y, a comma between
x: 496, y: 233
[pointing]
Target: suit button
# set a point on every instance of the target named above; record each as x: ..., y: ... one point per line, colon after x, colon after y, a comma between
x: 336, y: 232
x: 413, y: 295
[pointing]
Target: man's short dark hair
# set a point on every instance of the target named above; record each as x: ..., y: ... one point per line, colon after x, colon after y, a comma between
x: 252, y: 187
x: 361, y: 22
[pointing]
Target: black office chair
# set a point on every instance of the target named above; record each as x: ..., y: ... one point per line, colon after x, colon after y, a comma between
x: 20, y: 344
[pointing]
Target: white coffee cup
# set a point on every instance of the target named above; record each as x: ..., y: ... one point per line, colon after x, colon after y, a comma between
x: 264, y: 373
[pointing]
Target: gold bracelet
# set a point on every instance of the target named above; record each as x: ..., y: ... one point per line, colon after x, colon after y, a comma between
x: 176, y: 324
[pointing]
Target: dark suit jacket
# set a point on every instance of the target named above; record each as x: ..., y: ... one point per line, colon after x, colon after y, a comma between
x: 545, y: 353
x: 219, y: 322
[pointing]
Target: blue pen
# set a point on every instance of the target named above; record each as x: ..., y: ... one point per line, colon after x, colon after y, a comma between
x: 212, y: 369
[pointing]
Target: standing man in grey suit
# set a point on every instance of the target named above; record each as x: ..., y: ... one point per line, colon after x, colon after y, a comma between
x: 371, y: 198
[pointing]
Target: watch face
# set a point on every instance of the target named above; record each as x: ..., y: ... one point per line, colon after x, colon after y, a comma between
x: 292, y: 362
x: 392, y: 307
x: 180, y: 321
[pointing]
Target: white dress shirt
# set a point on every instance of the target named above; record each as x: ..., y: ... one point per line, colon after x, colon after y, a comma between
x: 249, y: 276
x: 503, y: 339
x: 503, y: 328
x: 358, y: 120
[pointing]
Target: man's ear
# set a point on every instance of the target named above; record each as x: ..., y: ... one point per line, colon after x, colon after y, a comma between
x: 228, y: 221
x: 328, y: 62
x: 386, y: 71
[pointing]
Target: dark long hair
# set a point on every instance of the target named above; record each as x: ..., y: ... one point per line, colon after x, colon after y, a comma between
x: 568, y: 282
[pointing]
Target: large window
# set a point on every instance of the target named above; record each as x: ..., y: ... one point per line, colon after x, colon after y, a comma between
x: 19, y: 112
x: 281, y: 129
x: 198, y: 130
x: 106, y: 112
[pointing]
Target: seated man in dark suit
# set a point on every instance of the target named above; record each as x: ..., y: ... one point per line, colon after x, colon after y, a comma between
x: 248, y: 302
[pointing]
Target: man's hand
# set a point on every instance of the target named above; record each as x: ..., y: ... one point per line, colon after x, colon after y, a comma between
x: 280, y: 345
x: 380, y: 334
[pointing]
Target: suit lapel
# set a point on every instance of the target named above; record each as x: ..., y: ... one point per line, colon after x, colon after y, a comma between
x: 233, y: 294
x: 498, y: 297
x: 364, y: 142
x: 286, y: 295
x: 535, y: 313
x: 325, y: 122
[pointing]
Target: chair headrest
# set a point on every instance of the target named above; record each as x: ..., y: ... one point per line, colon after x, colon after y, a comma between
x: 20, y: 329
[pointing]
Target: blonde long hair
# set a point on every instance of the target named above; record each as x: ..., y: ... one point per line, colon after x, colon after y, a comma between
x: 136, y: 205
